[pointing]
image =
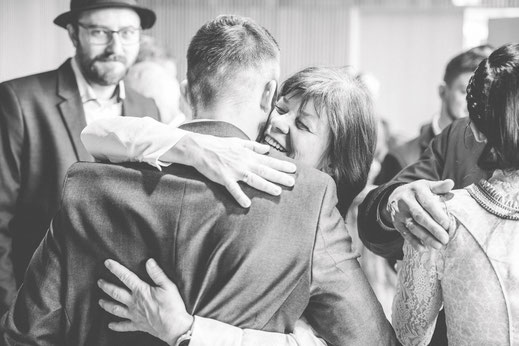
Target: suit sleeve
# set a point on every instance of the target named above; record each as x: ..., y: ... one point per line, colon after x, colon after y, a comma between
x: 37, y: 316
x: 380, y: 237
x: 343, y: 309
x: 11, y: 151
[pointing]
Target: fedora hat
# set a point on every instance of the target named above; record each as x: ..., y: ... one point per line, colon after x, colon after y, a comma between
x: 77, y: 6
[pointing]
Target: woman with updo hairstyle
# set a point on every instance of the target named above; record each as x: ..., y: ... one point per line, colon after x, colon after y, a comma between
x: 475, y: 277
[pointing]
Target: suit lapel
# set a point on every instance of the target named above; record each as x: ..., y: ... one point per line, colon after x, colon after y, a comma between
x: 130, y: 108
x: 71, y: 109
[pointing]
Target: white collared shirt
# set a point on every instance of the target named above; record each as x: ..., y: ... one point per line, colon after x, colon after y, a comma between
x: 93, y: 107
x: 435, y: 123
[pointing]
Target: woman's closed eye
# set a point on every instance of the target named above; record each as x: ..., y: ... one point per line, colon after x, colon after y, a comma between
x: 280, y: 110
x: 302, y: 126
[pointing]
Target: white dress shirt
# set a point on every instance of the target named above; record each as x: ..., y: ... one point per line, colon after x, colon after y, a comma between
x: 93, y: 107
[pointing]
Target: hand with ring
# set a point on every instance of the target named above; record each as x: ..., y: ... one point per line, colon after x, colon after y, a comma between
x: 418, y: 214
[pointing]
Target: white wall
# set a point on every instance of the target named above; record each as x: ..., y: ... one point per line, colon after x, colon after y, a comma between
x: 407, y: 50
x: 29, y: 41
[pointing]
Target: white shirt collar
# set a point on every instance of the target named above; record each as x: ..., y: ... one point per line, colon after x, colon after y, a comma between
x: 435, y: 123
x: 85, y: 90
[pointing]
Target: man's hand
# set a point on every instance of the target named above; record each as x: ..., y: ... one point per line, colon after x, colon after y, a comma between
x: 417, y: 212
x: 227, y: 161
x: 159, y: 311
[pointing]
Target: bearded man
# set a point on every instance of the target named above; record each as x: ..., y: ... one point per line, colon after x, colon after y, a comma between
x: 42, y: 116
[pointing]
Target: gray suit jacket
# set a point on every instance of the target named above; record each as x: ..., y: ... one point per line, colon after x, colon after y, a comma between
x: 41, y: 117
x: 259, y: 268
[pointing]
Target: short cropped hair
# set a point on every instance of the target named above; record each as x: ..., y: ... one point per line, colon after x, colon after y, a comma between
x: 347, y: 103
x: 465, y: 62
x: 493, y: 104
x: 221, y: 48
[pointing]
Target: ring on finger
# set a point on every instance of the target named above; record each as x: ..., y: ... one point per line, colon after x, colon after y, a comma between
x: 246, y: 177
x: 408, y: 222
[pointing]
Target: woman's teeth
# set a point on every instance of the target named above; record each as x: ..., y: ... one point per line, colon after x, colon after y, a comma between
x: 275, y: 144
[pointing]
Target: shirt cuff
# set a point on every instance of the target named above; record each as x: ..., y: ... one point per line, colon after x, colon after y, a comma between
x: 381, y: 223
x: 152, y: 142
x: 209, y: 332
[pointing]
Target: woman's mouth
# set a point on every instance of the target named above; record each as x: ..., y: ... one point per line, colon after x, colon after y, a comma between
x: 274, y: 144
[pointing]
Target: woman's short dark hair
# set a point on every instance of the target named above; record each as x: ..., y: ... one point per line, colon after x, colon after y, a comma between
x: 493, y: 104
x: 346, y: 102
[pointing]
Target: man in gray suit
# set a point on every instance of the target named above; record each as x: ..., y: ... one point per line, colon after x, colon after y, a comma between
x: 260, y: 268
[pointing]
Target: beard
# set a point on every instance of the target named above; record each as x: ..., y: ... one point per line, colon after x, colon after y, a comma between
x: 104, y: 69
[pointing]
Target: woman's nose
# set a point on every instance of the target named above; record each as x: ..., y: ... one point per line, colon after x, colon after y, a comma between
x: 280, y: 124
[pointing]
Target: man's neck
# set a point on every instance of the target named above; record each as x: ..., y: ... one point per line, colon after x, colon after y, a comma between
x: 238, y: 115
x: 444, y: 120
x: 103, y: 92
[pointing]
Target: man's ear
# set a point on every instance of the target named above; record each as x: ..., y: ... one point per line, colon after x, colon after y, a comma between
x: 73, y: 34
x: 184, y: 91
x: 268, y: 96
x: 442, y: 89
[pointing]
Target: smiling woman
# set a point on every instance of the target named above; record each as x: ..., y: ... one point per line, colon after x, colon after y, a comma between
x: 324, y: 118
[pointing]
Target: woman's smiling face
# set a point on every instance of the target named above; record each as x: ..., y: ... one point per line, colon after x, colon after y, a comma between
x: 300, y: 133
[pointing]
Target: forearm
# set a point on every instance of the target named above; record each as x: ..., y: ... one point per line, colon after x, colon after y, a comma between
x: 418, y: 299
x: 134, y: 139
x: 374, y: 223
x: 208, y: 332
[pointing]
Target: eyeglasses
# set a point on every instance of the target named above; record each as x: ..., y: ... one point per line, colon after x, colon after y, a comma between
x: 101, y: 36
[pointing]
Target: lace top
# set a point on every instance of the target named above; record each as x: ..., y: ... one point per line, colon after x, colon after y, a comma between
x: 475, y: 277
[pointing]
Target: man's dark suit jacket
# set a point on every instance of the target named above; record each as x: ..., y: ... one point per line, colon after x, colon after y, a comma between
x: 453, y: 154
x: 41, y: 117
x: 253, y: 268
x: 404, y: 155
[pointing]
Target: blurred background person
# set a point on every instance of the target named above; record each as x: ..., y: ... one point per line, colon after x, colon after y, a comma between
x: 452, y: 93
x: 387, y: 139
x: 42, y: 116
x: 154, y: 75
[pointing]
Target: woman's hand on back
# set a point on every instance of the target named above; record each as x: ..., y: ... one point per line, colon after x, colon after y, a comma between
x: 227, y: 161
x: 159, y: 311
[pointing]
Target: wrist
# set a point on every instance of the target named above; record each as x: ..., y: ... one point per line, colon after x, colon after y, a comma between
x: 384, y: 213
x: 186, y: 151
x: 185, y: 326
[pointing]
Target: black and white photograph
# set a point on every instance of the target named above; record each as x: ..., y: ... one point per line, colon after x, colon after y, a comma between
x: 259, y: 172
